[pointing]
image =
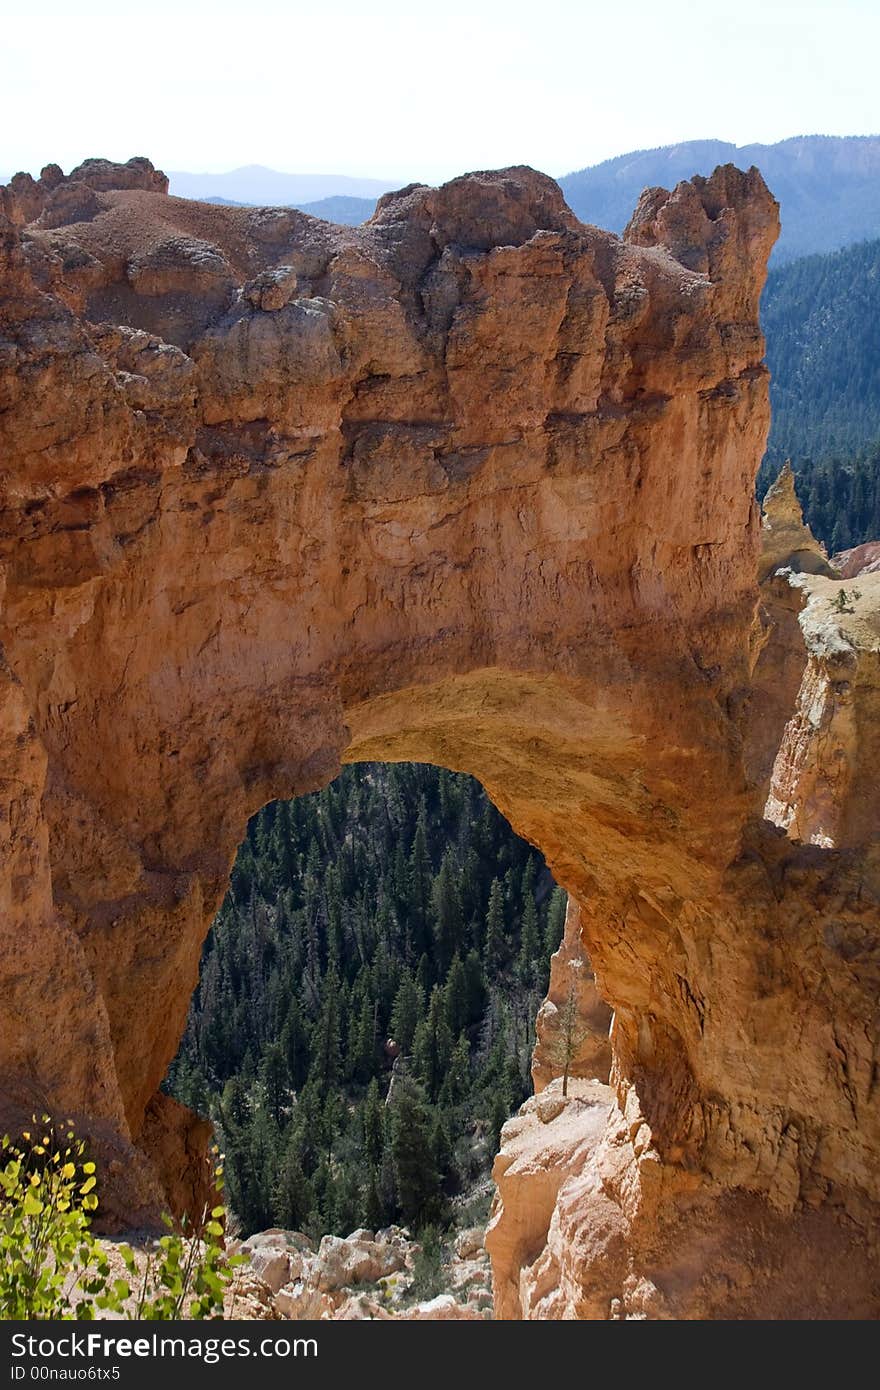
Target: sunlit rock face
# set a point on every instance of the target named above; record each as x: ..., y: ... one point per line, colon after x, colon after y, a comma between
x: 571, y: 1030
x: 563, y: 1232
x: 823, y: 788
x: 471, y: 484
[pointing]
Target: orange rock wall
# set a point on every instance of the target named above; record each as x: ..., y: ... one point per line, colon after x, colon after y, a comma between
x: 471, y: 484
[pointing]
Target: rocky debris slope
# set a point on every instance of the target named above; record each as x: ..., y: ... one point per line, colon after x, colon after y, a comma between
x: 366, y: 1275
x: 472, y: 485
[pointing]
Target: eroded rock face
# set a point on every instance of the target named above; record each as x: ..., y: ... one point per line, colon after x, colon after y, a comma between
x: 573, y: 1021
x: 786, y: 540
x: 824, y: 787
x: 55, y: 199
x: 550, y: 1139
x: 567, y: 1214
x: 471, y: 484
x: 862, y: 559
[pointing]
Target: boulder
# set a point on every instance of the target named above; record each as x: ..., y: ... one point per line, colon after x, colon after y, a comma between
x: 272, y: 1265
x: 470, y: 1242
x: 304, y: 1302
x: 443, y: 1308
x: 341, y: 1263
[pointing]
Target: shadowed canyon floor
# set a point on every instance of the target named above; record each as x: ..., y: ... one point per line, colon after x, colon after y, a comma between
x: 471, y: 485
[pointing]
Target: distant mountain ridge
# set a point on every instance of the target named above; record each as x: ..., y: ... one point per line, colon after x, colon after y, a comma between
x: 828, y: 186
x: 255, y: 184
x: 349, y: 212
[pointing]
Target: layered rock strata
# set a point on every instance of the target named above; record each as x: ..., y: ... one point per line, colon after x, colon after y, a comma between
x: 471, y: 484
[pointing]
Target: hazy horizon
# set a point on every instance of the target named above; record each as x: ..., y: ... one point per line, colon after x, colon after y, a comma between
x: 344, y: 175
x: 398, y: 94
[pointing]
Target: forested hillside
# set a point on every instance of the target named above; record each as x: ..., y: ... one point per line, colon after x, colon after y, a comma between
x: 388, y: 934
x: 821, y: 316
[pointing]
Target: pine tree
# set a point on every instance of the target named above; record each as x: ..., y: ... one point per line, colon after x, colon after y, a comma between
x: 456, y: 997
x: 494, y: 941
x: 527, y: 885
x: 373, y: 1121
x: 326, y: 1058
x: 432, y: 1045
x: 276, y: 1080
x: 476, y: 986
x: 530, y: 942
x: 456, y: 1082
x: 419, y: 886
x: 447, y: 913
x: 441, y: 1152
x: 472, y: 901
x: 555, y: 920
x: 400, y: 877
x: 308, y: 1126
x: 362, y: 1052
x: 452, y: 790
x: 295, y: 1044
x: 498, y: 1113
x: 344, y: 1201
x: 568, y: 1037
x: 259, y: 1167
x: 292, y: 1196
x: 416, y: 1176
x: 332, y: 1119
x: 424, y: 975
x: 281, y: 848
x: 407, y: 1011
x: 333, y: 907
x: 374, y: 1207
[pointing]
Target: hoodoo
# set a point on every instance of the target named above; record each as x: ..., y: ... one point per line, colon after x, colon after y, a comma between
x: 472, y: 485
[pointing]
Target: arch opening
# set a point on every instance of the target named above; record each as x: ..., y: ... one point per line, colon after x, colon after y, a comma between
x: 388, y: 936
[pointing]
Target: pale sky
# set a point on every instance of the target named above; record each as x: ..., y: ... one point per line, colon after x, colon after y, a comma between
x: 406, y: 90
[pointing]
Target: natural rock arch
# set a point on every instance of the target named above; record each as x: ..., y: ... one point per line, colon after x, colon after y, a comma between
x: 469, y: 485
